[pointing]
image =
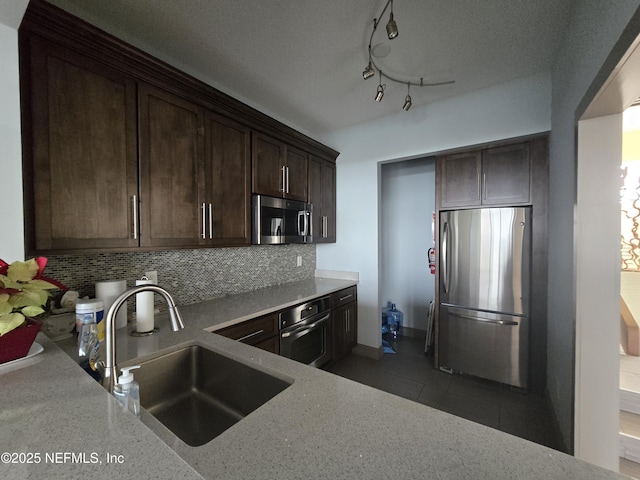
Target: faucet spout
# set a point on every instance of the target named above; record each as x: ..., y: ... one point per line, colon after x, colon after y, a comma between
x: 109, y: 371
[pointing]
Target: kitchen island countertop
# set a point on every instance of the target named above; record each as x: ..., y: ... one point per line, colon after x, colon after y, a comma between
x: 60, y: 423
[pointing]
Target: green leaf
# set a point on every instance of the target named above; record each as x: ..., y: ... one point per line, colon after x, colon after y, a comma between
x: 38, y: 284
x: 5, y: 306
x: 10, y: 322
x: 23, y: 271
x: 8, y: 283
x: 28, y: 298
x: 32, y: 311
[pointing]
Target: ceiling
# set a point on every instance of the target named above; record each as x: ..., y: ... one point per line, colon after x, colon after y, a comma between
x: 301, y: 61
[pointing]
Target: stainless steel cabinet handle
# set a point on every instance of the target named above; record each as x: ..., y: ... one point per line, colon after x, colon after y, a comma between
x: 287, y: 179
x: 345, y: 297
x: 250, y: 335
x: 325, y: 226
x: 478, y: 187
x: 203, y: 232
x: 445, y: 273
x: 348, y: 322
x: 210, y: 220
x: 284, y: 185
x: 484, y: 186
x: 134, y: 216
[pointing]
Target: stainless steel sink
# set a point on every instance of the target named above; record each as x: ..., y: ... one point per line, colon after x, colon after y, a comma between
x: 198, y: 394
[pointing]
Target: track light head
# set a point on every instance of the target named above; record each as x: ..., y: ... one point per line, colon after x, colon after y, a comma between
x: 392, y: 28
x: 407, y: 103
x: 380, y: 93
x: 368, y: 72
x: 407, y: 99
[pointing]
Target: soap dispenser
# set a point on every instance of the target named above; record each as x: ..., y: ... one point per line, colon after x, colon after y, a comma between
x: 127, y: 391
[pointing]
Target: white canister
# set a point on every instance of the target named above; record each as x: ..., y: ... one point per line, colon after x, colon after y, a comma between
x: 90, y: 311
x: 108, y: 291
x: 144, y: 308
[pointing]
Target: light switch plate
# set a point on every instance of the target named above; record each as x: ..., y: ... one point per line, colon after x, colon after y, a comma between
x: 299, y: 260
x: 153, y: 276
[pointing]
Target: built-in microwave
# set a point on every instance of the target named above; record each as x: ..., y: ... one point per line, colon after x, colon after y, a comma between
x: 278, y: 221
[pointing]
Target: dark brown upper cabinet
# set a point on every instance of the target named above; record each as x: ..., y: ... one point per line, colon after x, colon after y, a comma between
x: 227, y: 202
x: 81, y: 167
x: 279, y: 170
x: 322, y: 195
x: 123, y: 152
x: 171, y: 132
x: 493, y: 176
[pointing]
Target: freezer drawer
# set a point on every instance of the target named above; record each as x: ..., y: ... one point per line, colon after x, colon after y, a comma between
x: 487, y: 345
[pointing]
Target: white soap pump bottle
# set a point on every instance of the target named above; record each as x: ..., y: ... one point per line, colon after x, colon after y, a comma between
x: 127, y: 391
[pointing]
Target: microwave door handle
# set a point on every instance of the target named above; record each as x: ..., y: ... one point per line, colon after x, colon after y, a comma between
x: 300, y: 214
x: 307, y: 230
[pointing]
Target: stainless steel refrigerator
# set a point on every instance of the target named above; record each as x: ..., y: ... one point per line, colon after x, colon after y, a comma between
x: 484, y: 294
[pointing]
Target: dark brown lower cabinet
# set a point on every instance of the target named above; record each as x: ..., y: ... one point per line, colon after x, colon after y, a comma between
x: 261, y: 332
x: 344, y: 322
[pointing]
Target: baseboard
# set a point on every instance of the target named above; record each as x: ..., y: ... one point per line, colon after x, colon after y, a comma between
x: 413, y: 333
x: 369, y: 352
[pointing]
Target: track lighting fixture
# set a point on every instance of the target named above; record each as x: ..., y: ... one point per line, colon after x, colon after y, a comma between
x: 369, y: 71
x: 407, y: 99
x: 380, y: 90
x: 392, y: 28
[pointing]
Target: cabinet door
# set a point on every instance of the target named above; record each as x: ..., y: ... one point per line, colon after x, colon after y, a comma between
x: 351, y: 326
x: 506, y: 175
x: 344, y: 329
x: 81, y: 172
x: 228, y: 189
x: 328, y: 203
x: 171, y: 170
x: 315, y: 197
x: 322, y: 195
x: 267, y: 165
x: 459, y: 177
x: 296, y: 174
x: 338, y: 327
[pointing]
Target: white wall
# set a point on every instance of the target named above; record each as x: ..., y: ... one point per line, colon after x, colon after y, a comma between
x: 595, y: 30
x: 11, y: 214
x: 597, y: 309
x: 508, y: 110
x: 408, y: 202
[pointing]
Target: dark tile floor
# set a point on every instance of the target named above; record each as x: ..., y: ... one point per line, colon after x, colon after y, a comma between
x: 410, y: 374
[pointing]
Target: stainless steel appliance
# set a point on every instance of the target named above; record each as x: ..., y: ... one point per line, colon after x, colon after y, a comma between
x: 305, y: 332
x: 485, y: 260
x: 278, y: 221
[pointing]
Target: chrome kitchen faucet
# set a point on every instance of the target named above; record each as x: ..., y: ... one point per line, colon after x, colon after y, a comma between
x: 108, y: 367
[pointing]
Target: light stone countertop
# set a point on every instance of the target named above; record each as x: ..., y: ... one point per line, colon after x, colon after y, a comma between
x: 322, y: 426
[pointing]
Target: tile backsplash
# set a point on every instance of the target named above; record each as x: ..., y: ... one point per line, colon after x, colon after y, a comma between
x: 189, y: 275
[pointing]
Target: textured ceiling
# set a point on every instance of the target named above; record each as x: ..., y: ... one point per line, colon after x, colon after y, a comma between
x: 301, y: 61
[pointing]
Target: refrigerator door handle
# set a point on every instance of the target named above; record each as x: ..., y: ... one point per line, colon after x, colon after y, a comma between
x: 486, y: 320
x: 445, y: 272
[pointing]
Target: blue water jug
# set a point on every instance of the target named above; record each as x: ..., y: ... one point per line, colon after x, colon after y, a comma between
x: 395, y: 320
x: 385, y: 318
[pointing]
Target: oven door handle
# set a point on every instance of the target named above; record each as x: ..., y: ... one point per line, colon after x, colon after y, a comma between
x: 306, y: 327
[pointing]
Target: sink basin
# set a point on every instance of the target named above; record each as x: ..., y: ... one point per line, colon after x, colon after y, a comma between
x: 198, y: 394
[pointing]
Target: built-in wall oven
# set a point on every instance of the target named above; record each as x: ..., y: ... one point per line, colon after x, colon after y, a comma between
x: 305, y: 332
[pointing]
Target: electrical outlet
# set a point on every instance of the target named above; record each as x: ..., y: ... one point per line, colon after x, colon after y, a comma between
x: 299, y: 260
x: 153, y: 276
